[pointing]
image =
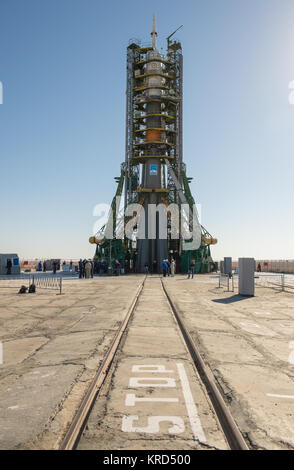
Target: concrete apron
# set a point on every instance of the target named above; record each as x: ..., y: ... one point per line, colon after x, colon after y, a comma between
x: 154, y: 398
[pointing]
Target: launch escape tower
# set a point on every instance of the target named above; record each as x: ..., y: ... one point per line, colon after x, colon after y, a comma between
x: 153, y: 171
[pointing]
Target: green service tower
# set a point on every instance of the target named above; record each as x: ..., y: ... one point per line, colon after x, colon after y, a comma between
x: 153, y: 172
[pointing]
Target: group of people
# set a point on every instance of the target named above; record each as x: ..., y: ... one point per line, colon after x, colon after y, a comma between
x: 86, y: 268
x: 154, y: 267
x: 55, y: 265
x: 118, y: 267
x: 168, y: 267
x: 43, y: 267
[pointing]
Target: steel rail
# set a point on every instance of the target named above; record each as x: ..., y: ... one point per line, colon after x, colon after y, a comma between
x: 234, y: 437
x: 76, y: 428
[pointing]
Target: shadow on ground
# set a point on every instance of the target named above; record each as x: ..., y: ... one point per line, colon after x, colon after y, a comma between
x: 230, y: 300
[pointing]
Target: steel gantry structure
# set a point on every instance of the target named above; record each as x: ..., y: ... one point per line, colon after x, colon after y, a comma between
x: 153, y: 172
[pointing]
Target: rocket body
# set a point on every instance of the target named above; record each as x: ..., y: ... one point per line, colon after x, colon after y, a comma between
x: 150, y: 249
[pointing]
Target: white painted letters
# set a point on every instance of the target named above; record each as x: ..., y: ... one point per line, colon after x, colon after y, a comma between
x: 151, y: 382
x: 153, y: 425
x: 151, y: 368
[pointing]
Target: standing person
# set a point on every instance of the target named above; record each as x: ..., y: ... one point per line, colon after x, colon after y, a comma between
x: 9, y: 266
x: 117, y: 267
x: 92, y: 268
x: 146, y: 267
x: 40, y: 266
x: 88, y: 269
x: 54, y: 266
x: 95, y: 266
x: 70, y: 265
x: 259, y: 268
x: 154, y: 266
x: 168, y: 267
x: 164, y: 268
x: 100, y: 267
x: 173, y: 267
x: 126, y: 266
x: 81, y: 268
x: 44, y: 266
x: 191, y: 269
x: 103, y: 267
x: 84, y: 270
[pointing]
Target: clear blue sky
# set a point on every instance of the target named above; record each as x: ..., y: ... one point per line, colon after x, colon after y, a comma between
x: 62, y: 129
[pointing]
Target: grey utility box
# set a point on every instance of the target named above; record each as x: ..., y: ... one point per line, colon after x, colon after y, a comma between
x: 246, y: 276
x: 227, y: 265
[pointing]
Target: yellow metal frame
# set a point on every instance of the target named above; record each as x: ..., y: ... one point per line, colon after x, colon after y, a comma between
x: 161, y: 87
x: 154, y: 142
x: 156, y: 74
x: 160, y: 100
x: 161, y: 129
x: 146, y: 61
x: 166, y: 116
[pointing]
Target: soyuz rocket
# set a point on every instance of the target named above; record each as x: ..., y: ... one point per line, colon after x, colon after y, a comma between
x: 150, y: 249
x: 153, y: 175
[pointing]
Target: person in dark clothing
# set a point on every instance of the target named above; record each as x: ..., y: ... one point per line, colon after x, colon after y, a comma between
x: 102, y: 269
x: 154, y: 266
x: 9, y: 266
x: 146, y: 268
x: 168, y: 267
x: 117, y: 267
x: 191, y: 269
x: 81, y: 269
x: 164, y: 268
x: 54, y: 266
x: 126, y: 266
x: 44, y: 266
x: 95, y: 266
x: 84, y: 267
x: 92, y: 269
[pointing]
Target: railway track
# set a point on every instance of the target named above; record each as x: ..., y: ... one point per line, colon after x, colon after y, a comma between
x: 228, y: 427
x: 71, y: 438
